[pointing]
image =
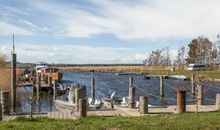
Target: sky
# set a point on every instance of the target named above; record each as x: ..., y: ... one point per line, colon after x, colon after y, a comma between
x: 103, y: 31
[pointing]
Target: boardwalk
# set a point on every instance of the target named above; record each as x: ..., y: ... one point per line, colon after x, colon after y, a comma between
x: 118, y: 111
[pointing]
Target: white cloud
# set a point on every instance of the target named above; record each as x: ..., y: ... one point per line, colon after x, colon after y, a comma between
x: 8, y: 29
x: 141, y: 20
x: 71, y: 54
x: 127, y: 20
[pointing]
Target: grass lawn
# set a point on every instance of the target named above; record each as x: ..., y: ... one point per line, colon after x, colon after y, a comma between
x: 188, y: 121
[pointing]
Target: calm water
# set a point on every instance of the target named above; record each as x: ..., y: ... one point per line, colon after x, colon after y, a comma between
x: 106, y: 83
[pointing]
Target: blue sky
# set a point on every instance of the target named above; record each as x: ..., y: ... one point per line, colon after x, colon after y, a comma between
x: 103, y: 31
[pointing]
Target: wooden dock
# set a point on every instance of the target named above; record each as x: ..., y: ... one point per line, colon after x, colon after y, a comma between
x: 118, y: 111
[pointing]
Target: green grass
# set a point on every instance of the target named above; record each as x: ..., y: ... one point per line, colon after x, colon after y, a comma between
x: 187, y: 121
x: 209, y: 75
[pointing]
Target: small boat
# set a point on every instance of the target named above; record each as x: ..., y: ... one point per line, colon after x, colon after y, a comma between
x: 40, y: 66
x: 61, y: 104
x: 147, y: 77
x: 178, y: 77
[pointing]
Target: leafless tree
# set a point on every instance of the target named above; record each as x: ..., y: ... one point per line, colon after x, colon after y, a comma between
x: 180, y: 59
x: 31, y: 101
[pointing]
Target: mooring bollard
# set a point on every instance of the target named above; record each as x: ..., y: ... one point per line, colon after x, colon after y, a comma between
x: 181, y: 100
x: 131, y: 96
x: 200, y: 94
x: 143, y: 105
x: 82, y: 107
x: 218, y: 101
x: 5, y: 101
x: 54, y: 90
x: 92, y: 88
x: 131, y: 81
x: 192, y: 84
x: 161, y: 86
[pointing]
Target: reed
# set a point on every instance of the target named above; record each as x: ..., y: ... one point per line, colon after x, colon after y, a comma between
x: 5, y: 79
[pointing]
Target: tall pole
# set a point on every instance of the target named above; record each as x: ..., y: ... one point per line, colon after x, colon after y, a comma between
x: 13, y: 78
x: 92, y: 86
x: 161, y: 86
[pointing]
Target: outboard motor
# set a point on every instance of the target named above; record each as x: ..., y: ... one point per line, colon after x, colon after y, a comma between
x: 113, y: 95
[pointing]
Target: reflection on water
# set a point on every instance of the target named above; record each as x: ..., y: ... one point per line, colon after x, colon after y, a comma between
x: 106, y: 83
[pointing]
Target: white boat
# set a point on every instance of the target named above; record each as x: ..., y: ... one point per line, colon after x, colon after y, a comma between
x: 178, y: 77
x: 40, y: 66
x: 60, y: 104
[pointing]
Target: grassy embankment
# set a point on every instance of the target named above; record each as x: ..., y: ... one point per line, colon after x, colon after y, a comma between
x: 207, y: 121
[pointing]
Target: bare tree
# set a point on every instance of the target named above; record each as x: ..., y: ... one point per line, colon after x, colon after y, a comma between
x: 180, y: 59
x: 166, y: 54
x: 31, y: 101
x: 200, y: 51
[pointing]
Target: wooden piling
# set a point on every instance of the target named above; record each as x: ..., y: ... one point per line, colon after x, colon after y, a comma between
x: 5, y: 101
x: 161, y: 86
x: 131, y: 97
x: 80, y: 93
x: 218, y: 101
x: 200, y: 94
x: 131, y: 81
x: 1, y: 118
x: 193, y: 84
x: 54, y: 89
x: 82, y: 108
x: 84, y: 92
x: 13, y: 81
x: 71, y: 95
x: 38, y: 83
x: 143, y: 105
x: 92, y: 88
x: 49, y: 81
x: 181, y: 100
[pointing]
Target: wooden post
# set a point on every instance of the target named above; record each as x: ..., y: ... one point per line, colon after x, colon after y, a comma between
x: 131, y: 97
x: 80, y: 93
x: 38, y: 83
x: 131, y: 81
x: 218, y: 101
x: 1, y: 112
x: 49, y: 81
x: 83, y: 92
x: 143, y: 105
x: 181, y: 100
x: 200, y: 94
x: 82, y: 107
x: 5, y: 101
x: 13, y: 80
x: 54, y: 90
x: 71, y: 95
x: 77, y: 97
x: 92, y: 88
x: 192, y: 84
x: 161, y: 86
x: 50, y: 103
